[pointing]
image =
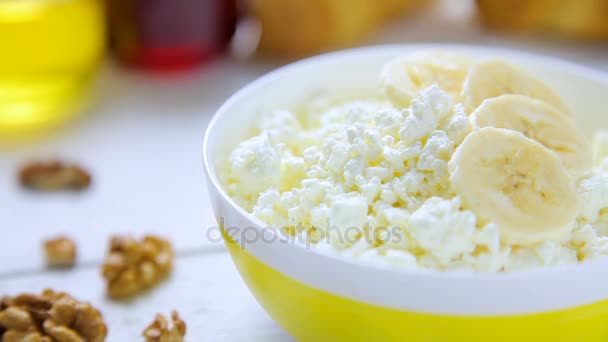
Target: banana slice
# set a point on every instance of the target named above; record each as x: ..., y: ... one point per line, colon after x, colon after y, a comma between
x: 492, y: 78
x: 600, y: 147
x: 404, y: 77
x: 516, y: 183
x: 539, y: 121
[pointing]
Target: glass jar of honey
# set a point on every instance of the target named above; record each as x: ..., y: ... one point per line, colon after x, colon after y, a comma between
x: 50, y: 52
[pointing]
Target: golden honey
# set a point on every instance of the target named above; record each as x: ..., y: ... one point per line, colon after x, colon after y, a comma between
x: 49, y: 52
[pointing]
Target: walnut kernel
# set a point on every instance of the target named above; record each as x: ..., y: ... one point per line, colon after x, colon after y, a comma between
x: 60, y: 252
x: 53, y: 176
x: 49, y: 317
x: 133, y: 266
x: 159, y: 330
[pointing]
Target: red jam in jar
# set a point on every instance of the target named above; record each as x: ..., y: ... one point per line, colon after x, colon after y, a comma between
x: 169, y: 35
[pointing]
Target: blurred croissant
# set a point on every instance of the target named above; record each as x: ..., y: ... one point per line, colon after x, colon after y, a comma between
x: 578, y: 19
x: 294, y: 28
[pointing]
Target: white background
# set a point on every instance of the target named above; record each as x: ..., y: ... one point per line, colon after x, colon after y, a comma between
x: 142, y: 141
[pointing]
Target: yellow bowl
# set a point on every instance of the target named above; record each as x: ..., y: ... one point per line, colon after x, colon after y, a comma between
x: 320, y: 297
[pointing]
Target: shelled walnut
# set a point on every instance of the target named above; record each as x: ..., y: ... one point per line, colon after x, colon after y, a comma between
x: 49, y: 317
x: 133, y: 266
x: 159, y: 330
x: 60, y: 252
x: 53, y: 176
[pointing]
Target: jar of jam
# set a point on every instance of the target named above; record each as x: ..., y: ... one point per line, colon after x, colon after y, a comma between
x: 170, y: 35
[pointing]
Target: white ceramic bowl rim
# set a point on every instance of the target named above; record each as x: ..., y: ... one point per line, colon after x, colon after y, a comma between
x: 585, y: 272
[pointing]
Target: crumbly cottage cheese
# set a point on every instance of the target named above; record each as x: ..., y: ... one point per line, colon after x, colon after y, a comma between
x: 369, y: 180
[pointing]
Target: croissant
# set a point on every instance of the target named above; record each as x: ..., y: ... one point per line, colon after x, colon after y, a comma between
x: 576, y: 19
x: 294, y: 28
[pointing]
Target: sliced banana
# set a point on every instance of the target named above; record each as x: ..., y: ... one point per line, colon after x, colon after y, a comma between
x: 539, y: 121
x: 404, y: 77
x: 492, y: 78
x: 516, y: 183
x: 600, y: 147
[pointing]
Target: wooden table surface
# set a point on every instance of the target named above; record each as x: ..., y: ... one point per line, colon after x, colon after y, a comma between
x: 142, y: 140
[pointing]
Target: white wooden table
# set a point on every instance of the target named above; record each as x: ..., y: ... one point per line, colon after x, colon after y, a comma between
x: 142, y: 140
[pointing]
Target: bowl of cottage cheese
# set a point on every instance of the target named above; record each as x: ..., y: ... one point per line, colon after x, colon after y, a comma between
x: 422, y: 192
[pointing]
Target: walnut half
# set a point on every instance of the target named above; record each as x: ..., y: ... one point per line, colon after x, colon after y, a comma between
x: 49, y: 317
x: 159, y: 330
x: 53, y: 176
x: 133, y: 266
x: 60, y: 252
